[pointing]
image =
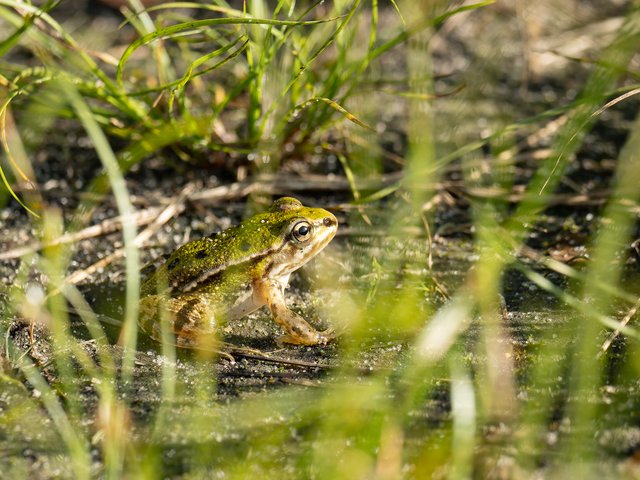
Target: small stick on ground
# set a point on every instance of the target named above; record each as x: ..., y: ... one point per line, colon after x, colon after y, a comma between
x: 111, y: 225
x: 255, y: 355
x: 630, y: 314
x: 281, y: 184
x: 175, y: 207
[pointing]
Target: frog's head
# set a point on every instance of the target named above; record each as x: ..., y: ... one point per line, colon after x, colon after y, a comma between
x: 301, y: 233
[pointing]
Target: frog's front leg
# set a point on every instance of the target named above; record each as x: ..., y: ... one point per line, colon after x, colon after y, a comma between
x: 190, y: 318
x: 299, y: 332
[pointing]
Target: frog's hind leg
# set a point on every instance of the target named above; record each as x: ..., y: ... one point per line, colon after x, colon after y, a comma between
x: 190, y: 320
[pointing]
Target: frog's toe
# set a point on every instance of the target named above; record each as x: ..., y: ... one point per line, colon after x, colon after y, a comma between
x: 326, y: 336
x: 284, y: 340
x: 315, y: 338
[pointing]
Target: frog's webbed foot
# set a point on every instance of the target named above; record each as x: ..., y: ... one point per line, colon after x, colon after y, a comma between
x: 299, y: 332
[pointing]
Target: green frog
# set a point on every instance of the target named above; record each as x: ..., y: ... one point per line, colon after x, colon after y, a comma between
x: 230, y: 274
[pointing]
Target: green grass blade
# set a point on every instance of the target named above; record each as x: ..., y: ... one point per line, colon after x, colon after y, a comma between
x: 196, y: 26
x: 116, y: 180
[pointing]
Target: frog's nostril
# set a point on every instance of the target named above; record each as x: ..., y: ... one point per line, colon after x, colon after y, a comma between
x: 328, y: 221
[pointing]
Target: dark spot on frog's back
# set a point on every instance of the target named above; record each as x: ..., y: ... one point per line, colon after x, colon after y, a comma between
x: 245, y: 246
x: 173, y: 264
x: 201, y: 254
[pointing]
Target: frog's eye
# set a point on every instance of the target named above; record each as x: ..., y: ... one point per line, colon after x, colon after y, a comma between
x: 302, y: 231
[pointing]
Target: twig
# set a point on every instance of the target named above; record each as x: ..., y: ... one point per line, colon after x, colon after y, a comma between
x: 278, y: 184
x: 592, y: 198
x: 607, y: 343
x: 175, y: 207
x: 228, y: 192
x: 255, y: 355
x: 111, y: 225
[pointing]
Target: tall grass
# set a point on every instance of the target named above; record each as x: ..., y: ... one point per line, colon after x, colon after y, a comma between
x: 275, y: 80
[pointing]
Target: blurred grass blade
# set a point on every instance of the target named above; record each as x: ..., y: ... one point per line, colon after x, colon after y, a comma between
x: 422, y: 22
x: 4, y: 137
x: 463, y: 413
x: 591, y: 117
x: 444, y: 328
x: 125, y: 209
x: 569, y: 138
x: 77, y: 447
x: 617, y: 225
x: 334, y: 105
x: 579, y: 305
x: 163, y: 135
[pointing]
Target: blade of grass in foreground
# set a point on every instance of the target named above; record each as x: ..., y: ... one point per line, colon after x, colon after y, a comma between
x: 132, y: 262
x: 34, y: 307
x: 616, y: 227
x: 69, y: 351
x: 589, y: 317
x: 76, y: 445
x: 618, y: 54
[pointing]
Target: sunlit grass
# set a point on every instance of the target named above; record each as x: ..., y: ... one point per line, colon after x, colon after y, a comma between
x: 278, y: 79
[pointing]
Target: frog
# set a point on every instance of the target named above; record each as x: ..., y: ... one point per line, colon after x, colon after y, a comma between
x: 228, y: 275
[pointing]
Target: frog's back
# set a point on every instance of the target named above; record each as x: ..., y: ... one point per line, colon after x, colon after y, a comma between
x: 199, y: 260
